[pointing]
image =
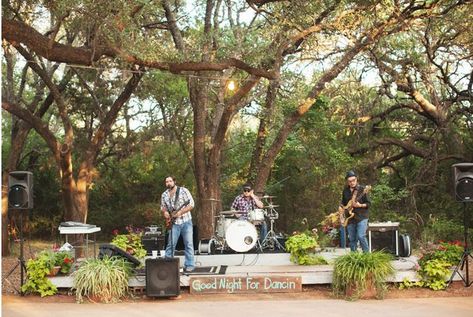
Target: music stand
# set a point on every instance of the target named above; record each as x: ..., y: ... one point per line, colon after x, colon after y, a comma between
x: 463, y: 263
x: 20, y: 263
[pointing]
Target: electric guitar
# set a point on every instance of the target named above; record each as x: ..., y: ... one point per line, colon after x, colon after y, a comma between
x: 346, y: 212
x: 172, y: 219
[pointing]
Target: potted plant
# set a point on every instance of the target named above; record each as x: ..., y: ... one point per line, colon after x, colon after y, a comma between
x: 361, y: 275
x: 104, y: 280
x: 130, y: 242
x: 37, y: 270
x: 302, y: 247
x: 435, y: 266
x: 64, y: 261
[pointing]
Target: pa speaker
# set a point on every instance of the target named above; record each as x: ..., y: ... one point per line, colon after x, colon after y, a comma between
x: 111, y: 250
x: 20, y: 190
x: 162, y: 277
x: 463, y: 181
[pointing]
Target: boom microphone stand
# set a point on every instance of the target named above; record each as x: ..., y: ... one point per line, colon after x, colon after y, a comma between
x: 466, y: 255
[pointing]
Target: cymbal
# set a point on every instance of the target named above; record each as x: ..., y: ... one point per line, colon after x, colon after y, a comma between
x: 271, y: 206
x: 232, y: 212
x: 267, y: 196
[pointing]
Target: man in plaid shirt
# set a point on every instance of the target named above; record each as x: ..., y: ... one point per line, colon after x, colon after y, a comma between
x: 177, y: 211
x: 248, y: 201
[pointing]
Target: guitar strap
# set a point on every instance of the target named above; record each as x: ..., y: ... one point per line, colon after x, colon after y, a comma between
x: 176, y: 198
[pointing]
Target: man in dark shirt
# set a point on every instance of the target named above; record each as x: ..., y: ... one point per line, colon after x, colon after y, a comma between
x: 358, y: 224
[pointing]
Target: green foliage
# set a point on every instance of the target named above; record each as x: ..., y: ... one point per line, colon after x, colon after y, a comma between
x: 301, y: 246
x: 131, y: 243
x: 357, y: 270
x: 65, y: 260
x: 105, y: 280
x: 434, y: 266
x: 439, y: 229
x: 36, y: 272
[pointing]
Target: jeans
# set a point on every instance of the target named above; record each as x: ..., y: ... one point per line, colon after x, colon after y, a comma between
x: 343, y: 236
x: 186, y: 230
x: 357, y: 232
x: 263, y: 231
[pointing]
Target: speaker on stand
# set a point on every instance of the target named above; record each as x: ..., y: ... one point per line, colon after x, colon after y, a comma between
x: 20, y: 199
x: 463, y: 187
x: 162, y: 277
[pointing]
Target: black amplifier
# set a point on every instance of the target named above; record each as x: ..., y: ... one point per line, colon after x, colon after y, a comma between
x: 152, y: 242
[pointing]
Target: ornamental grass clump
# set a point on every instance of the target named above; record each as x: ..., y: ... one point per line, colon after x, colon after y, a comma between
x: 104, y: 280
x: 355, y: 273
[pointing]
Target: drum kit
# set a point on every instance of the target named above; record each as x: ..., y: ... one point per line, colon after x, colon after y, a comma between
x: 240, y: 235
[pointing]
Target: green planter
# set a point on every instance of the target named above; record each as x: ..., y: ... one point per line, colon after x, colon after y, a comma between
x: 356, y: 273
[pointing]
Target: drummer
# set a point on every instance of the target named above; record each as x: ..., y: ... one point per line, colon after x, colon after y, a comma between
x: 249, y: 201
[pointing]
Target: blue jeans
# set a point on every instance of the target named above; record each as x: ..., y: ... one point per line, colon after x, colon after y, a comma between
x: 186, y: 230
x: 357, y: 232
x: 343, y: 236
x: 263, y: 231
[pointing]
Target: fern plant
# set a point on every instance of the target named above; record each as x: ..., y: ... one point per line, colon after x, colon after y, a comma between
x: 105, y: 280
x: 357, y: 271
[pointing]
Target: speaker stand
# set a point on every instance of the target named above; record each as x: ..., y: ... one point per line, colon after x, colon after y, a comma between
x: 20, y: 263
x: 465, y: 256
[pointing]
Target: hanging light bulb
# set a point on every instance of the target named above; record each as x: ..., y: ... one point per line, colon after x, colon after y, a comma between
x: 231, y: 85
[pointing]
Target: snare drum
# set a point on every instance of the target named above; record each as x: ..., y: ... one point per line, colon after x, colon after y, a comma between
x: 256, y: 216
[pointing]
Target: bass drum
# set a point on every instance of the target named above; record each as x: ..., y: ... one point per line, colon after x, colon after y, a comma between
x: 241, y: 236
x: 207, y: 246
x: 222, y: 225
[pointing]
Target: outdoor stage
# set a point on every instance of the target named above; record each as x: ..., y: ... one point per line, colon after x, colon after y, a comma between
x: 266, y: 264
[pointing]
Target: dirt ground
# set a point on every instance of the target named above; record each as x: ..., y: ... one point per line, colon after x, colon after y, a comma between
x: 456, y: 289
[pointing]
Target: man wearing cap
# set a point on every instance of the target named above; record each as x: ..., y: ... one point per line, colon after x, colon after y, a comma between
x: 249, y: 201
x: 357, y: 225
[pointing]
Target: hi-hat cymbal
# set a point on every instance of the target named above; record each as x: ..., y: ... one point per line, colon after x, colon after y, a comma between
x: 267, y: 196
x: 271, y: 206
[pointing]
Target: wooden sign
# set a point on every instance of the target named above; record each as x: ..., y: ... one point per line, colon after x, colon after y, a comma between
x: 246, y: 284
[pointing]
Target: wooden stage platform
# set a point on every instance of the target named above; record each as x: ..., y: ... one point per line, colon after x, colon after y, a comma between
x: 269, y: 264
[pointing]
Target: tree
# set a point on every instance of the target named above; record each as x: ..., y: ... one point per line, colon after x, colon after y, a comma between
x: 212, y: 44
x: 74, y: 186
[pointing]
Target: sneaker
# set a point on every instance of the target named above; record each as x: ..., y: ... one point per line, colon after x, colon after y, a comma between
x: 189, y: 269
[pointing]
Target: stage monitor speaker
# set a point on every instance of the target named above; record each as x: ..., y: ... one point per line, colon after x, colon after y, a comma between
x: 111, y: 250
x: 162, y: 277
x: 180, y: 242
x: 463, y: 181
x: 20, y: 190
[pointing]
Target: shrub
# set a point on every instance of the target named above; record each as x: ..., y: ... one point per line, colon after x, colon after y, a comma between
x: 434, y: 266
x: 36, y: 274
x: 301, y: 246
x: 131, y: 243
x: 105, y: 280
x: 357, y: 271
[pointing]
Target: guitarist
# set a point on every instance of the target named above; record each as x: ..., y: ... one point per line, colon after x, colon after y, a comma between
x: 358, y: 224
x: 176, y: 204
